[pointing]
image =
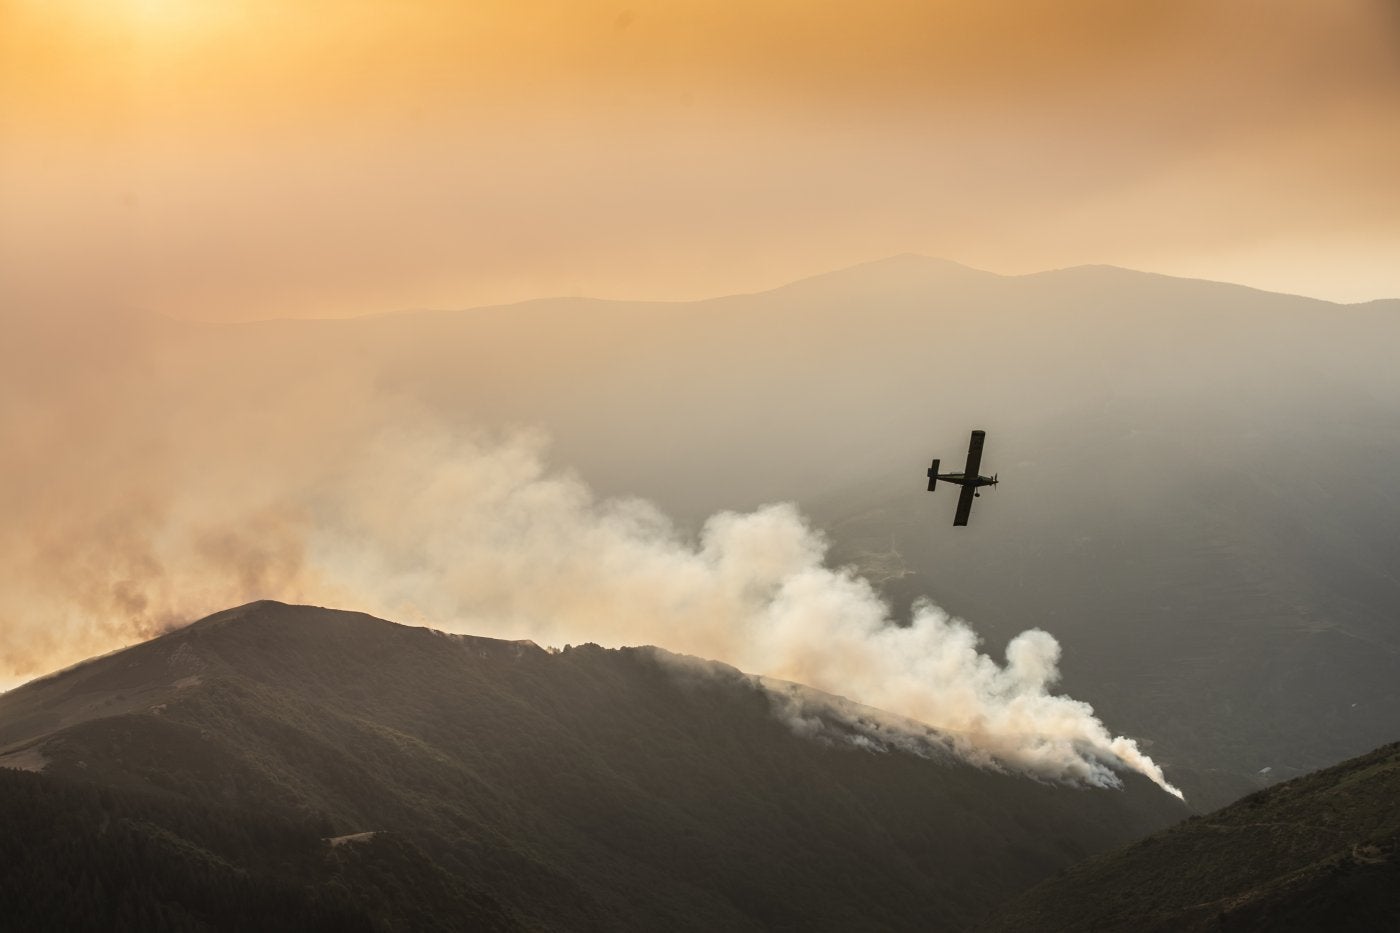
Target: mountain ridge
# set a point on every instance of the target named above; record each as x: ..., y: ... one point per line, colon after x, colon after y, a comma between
x: 551, y: 778
x: 924, y: 267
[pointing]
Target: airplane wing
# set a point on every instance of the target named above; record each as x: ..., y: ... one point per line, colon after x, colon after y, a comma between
x: 964, y: 504
x: 974, y: 455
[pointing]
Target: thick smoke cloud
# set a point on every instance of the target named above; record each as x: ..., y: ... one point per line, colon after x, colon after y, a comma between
x: 493, y: 542
x: 139, y: 507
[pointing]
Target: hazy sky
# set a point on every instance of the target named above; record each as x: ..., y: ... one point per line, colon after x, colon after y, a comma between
x: 252, y: 158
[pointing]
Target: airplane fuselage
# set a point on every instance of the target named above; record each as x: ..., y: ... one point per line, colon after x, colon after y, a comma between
x: 960, y: 479
x: 969, y: 479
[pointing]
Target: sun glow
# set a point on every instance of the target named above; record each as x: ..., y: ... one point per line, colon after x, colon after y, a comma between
x: 252, y: 158
x: 146, y: 21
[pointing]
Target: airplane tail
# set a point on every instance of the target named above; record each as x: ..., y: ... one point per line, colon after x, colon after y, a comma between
x: 932, y: 475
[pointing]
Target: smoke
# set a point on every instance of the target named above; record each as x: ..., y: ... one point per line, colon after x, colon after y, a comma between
x: 491, y: 541
x: 326, y: 490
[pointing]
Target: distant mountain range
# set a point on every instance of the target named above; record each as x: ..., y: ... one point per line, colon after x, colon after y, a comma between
x: 843, y: 374
x: 285, y: 767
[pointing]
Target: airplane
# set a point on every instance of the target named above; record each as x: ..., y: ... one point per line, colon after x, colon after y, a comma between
x: 969, y: 485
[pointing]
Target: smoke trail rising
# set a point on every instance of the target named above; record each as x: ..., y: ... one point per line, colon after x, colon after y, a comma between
x: 142, y: 492
x: 491, y: 540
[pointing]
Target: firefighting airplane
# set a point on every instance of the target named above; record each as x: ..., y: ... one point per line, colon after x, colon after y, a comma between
x: 967, y: 479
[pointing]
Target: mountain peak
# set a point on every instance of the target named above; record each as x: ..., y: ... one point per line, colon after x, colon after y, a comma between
x: 904, y: 270
x: 235, y: 613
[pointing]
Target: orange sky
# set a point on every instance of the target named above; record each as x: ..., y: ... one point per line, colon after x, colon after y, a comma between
x: 253, y: 158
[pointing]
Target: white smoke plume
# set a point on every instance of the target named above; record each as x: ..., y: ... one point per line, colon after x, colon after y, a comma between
x: 492, y: 542
x: 134, y: 505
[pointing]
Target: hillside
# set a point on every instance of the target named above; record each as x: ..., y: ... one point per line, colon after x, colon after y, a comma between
x: 1321, y: 852
x: 505, y: 785
x: 80, y: 855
